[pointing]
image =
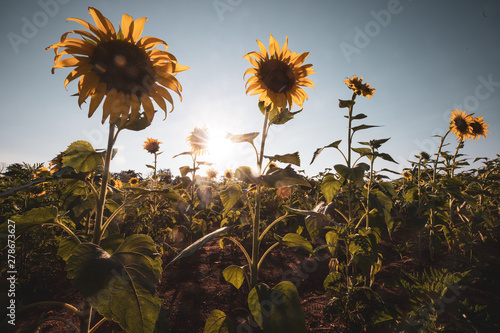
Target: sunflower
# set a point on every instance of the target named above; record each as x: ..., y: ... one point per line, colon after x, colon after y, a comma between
x: 116, y: 183
x: 460, y: 124
x: 278, y: 75
x: 134, y: 181
x: 211, y: 173
x: 198, y: 140
x: 124, y: 68
x: 152, y: 145
x: 407, y: 175
x: 356, y: 84
x: 284, y: 192
x: 478, y: 128
x: 228, y: 174
x: 56, y: 163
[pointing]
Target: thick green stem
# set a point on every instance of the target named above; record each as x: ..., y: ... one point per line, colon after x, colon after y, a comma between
x: 460, y: 145
x: 349, y: 143
x: 254, y: 270
x: 104, y: 183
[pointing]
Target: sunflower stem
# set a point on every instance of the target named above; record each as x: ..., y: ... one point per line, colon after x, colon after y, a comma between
x: 439, y: 154
x: 254, y: 269
x: 460, y: 145
x: 104, y: 183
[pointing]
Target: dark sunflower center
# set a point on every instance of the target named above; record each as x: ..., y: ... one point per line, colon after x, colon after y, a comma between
x: 277, y: 75
x: 477, y: 128
x: 461, y: 125
x: 123, y: 66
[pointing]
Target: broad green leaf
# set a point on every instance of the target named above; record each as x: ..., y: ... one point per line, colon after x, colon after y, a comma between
x: 332, y: 239
x: 331, y: 279
x: 122, y: 286
x: 238, y: 138
x: 111, y: 243
x: 184, y: 170
x: 319, y: 150
x: 112, y: 205
x: 387, y: 157
x: 317, y: 213
x: 359, y: 116
x: 296, y: 240
x: 355, y: 174
x: 139, y: 123
x: 218, y: 322
x: 283, y: 117
x: 183, y: 153
x: 287, y: 158
x: 82, y: 157
x: 234, y: 275
x: 378, y: 143
x: 66, y: 247
x: 230, y: 197
x: 277, y: 310
x: 199, y: 243
x: 150, y: 166
x: 31, y: 219
x: 284, y: 177
x: 329, y: 187
x: 362, y: 151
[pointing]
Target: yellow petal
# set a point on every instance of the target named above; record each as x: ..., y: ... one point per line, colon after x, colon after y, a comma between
x: 148, y: 107
x: 262, y: 48
x: 135, y: 105
x: 96, y: 98
x: 88, y: 83
x: 170, y: 82
x: 138, y: 27
x: 164, y: 92
x: 127, y: 26
x: 149, y: 42
x: 77, y: 72
x: 89, y: 26
x: 108, y: 104
x: 102, y: 23
x: 159, y: 100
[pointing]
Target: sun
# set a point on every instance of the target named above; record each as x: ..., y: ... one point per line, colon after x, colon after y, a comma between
x: 222, y: 153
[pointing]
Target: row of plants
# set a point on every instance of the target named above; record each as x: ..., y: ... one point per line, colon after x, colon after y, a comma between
x: 112, y: 233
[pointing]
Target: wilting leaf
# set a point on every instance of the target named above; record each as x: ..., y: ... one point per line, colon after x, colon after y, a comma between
x: 122, y: 286
x: 81, y: 156
x: 277, y: 310
x: 362, y: 127
x: 198, y: 244
x: 31, y: 219
x: 284, y: 177
x: 319, y: 150
x: 332, y: 239
x: 234, y: 275
x: 296, y: 240
x: 237, y: 138
x: 283, y: 117
x: 287, y: 158
x: 230, y: 197
x: 218, y: 322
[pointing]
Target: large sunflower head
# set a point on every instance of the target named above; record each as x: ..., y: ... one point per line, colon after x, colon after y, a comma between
x: 121, y: 68
x: 407, y: 175
x: 460, y: 124
x: 134, y: 181
x: 278, y: 75
x: 198, y: 140
x: 478, y: 128
x: 152, y: 145
x: 356, y: 84
x: 228, y: 174
x: 211, y: 174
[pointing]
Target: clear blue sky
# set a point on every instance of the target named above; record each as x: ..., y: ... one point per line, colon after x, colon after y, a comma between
x: 425, y: 59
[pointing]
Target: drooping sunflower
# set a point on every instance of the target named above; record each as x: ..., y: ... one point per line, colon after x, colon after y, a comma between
x: 356, y: 84
x: 120, y: 68
x: 152, y: 145
x: 134, y: 181
x: 460, y: 124
x: 278, y: 75
x: 478, y: 128
x: 198, y: 140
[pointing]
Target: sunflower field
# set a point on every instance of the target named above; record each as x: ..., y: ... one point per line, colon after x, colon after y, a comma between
x: 255, y: 249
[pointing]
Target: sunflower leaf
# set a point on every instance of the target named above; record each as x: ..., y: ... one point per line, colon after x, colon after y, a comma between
x: 120, y: 286
x: 319, y: 150
x: 283, y: 177
x: 283, y: 117
x: 234, y: 275
x: 31, y: 219
x: 230, y: 197
x: 287, y: 158
x: 362, y: 127
x: 238, y: 138
x: 82, y: 157
x: 218, y: 322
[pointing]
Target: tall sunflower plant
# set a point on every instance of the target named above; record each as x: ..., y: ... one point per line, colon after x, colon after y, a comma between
x: 449, y: 189
x: 124, y: 73
x: 359, y: 199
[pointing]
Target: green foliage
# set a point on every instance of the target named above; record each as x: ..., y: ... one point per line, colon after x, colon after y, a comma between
x: 218, y: 322
x: 277, y: 309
